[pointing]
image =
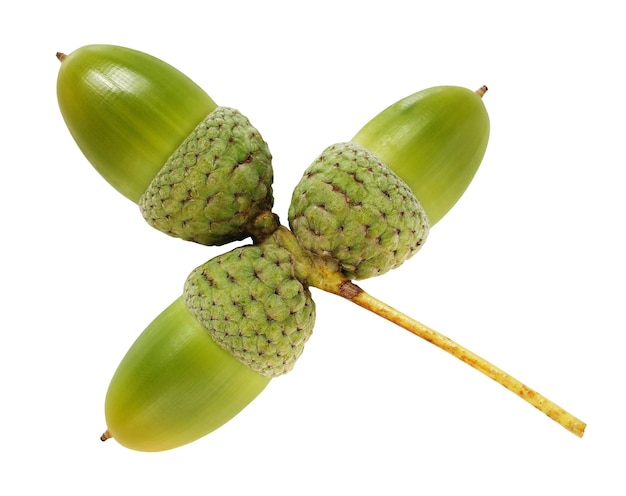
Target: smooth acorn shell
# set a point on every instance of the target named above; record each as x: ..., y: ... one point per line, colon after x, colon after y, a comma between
x: 127, y: 111
x: 434, y: 140
x: 176, y: 385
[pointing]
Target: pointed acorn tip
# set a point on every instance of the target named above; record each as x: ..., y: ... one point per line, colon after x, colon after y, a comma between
x: 105, y: 436
x: 61, y: 56
x: 481, y: 91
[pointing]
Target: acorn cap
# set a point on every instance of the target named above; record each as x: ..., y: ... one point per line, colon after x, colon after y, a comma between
x: 253, y: 305
x: 351, y: 207
x: 215, y: 184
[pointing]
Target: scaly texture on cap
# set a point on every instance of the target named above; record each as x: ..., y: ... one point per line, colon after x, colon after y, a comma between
x: 252, y: 304
x: 215, y: 184
x: 351, y: 207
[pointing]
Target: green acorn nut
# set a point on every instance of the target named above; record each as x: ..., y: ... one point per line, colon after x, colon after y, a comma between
x: 198, y: 171
x: 175, y: 384
x: 434, y: 140
x: 350, y: 207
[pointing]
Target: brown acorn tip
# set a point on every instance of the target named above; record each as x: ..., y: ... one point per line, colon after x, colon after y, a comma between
x: 61, y: 56
x: 481, y: 91
x: 105, y: 436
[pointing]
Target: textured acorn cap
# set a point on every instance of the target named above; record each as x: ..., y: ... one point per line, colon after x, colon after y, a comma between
x: 251, y: 303
x: 351, y: 207
x: 215, y: 184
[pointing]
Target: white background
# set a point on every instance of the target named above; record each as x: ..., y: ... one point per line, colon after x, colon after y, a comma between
x: 527, y: 270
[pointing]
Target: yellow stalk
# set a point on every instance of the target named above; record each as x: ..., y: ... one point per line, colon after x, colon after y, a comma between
x: 347, y: 289
x: 322, y: 274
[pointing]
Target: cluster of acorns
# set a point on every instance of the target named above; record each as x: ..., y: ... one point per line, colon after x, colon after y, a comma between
x: 203, y: 173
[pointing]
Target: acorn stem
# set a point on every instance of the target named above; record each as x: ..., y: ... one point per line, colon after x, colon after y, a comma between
x: 355, y: 294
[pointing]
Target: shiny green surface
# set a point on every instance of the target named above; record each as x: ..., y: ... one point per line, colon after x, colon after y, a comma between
x: 127, y: 111
x: 176, y: 385
x: 434, y: 140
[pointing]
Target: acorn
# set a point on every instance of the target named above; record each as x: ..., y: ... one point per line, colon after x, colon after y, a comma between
x: 369, y: 203
x: 198, y: 171
x: 243, y: 319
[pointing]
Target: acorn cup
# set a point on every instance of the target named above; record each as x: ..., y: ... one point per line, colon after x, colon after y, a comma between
x: 350, y: 207
x: 198, y: 171
x: 202, y: 173
x: 252, y: 303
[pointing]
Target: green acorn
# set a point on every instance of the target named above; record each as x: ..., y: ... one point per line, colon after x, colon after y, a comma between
x: 243, y: 319
x: 369, y: 203
x: 198, y: 171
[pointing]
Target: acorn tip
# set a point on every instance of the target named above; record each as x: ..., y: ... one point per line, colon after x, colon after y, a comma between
x: 481, y: 91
